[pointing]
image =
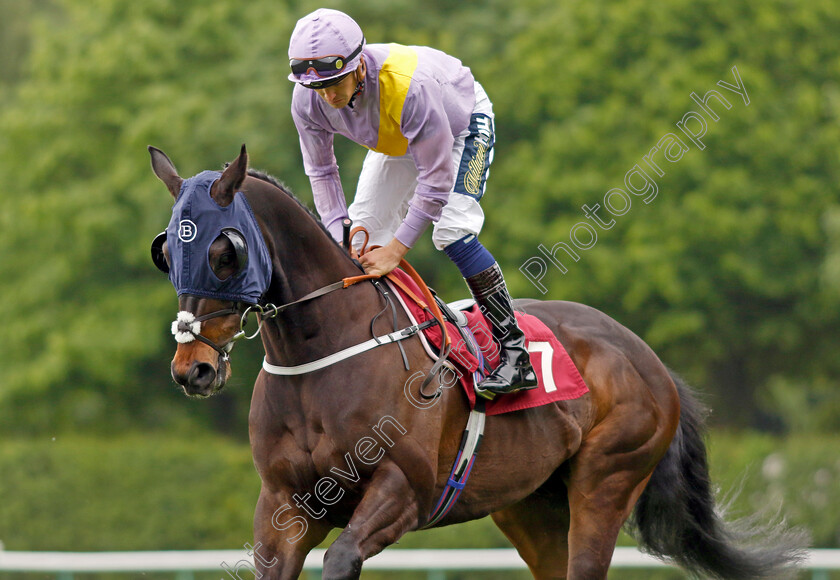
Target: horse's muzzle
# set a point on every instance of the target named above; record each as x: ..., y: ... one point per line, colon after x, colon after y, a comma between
x: 200, y: 379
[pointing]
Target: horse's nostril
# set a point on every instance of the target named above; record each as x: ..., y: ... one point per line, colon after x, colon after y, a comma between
x: 202, y: 376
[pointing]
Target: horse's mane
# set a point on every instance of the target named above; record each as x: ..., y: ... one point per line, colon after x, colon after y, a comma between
x: 268, y: 178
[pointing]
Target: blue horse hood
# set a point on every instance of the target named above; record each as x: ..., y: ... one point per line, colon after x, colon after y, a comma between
x: 197, y: 220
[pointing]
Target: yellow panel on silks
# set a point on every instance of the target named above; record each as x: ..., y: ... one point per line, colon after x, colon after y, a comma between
x: 394, y: 80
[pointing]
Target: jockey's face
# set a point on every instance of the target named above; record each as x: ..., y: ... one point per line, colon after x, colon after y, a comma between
x: 338, y: 96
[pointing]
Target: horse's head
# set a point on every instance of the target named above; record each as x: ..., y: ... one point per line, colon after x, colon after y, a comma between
x: 215, y: 255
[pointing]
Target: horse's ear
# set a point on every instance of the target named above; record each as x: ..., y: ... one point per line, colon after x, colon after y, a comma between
x: 231, y: 180
x: 165, y: 171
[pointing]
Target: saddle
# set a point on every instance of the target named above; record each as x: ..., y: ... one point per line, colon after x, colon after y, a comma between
x: 471, y: 358
x: 473, y: 353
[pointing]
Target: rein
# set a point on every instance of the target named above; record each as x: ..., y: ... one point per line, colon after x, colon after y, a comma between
x: 187, y: 327
x: 429, y: 304
x: 376, y: 341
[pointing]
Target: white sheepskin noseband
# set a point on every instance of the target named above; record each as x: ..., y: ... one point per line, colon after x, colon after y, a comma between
x: 185, y: 327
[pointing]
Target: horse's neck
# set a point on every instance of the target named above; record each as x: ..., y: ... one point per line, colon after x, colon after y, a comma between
x: 305, y: 259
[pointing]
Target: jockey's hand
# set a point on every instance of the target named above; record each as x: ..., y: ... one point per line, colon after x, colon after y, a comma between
x: 382, y: 260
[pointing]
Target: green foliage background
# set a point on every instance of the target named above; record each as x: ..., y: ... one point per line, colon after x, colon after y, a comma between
x: 732, y: 273
x: 156, y: 492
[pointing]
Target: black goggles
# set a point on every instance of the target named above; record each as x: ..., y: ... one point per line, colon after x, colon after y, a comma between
x: 327, y: 83
x: 325, y: 66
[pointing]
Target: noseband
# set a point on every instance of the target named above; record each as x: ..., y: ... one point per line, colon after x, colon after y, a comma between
x: 187, y: 328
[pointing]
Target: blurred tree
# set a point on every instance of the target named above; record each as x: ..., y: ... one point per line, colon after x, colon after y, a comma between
x: 721, y: 272
x: 87, y: 313
x: 729, y: 272
x: 16, y: 36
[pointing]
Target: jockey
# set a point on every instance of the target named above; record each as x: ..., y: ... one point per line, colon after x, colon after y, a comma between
x: 428, y: 126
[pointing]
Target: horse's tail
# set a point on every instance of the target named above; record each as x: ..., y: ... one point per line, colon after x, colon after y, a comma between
x: 676, y: 518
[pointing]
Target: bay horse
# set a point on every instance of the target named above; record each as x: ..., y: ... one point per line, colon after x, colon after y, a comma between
x: 344, y: 447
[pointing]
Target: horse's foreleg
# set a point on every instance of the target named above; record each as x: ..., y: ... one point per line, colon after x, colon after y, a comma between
x: 386, y: 512
x: 283, y: 536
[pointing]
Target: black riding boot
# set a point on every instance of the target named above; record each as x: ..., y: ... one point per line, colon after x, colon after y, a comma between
x: 514, y: 372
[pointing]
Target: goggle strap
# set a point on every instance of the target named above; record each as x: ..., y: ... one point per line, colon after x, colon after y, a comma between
x: 353, y: 54
x: 346, y: 59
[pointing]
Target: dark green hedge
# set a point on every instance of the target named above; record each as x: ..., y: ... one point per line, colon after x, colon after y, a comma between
x: 151, y: 492
x: 132, y: 493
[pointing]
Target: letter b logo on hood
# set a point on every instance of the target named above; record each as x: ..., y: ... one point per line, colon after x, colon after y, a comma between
x: 187, y: 231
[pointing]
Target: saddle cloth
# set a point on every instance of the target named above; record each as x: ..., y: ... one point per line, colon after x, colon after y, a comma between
x: 559, y: 379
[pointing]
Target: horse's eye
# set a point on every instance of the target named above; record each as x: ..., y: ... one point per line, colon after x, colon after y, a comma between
x: 227, y: 259
x: 228, y: 254
x: 224, y: 264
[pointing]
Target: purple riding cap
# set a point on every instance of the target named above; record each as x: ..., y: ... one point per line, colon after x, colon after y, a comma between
x: 324, y: 34
x: 197, y: 220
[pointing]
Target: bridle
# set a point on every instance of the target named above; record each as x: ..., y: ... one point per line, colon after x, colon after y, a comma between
x: 187, y: 326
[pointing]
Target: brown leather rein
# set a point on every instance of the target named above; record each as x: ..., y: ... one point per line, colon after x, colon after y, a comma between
x: 426, y: 302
